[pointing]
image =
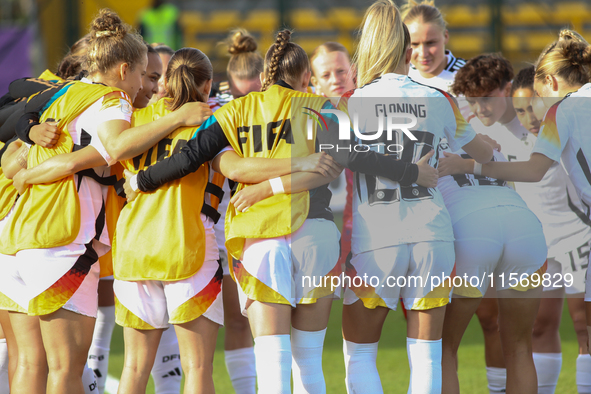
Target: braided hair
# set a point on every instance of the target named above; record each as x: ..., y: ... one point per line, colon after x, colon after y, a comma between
x: 284, y: 60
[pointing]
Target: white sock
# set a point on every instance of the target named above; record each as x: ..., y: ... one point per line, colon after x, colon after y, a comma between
x: 166, y: 371
x: 89, y: 381
x: 584, y: 374
x: 306, y: 350
x: 497, y: 380
x: 3, y: 367
x: 273, y: 364
x: 548, y: 369
x: 240, y: 364
x: 361, y: 372
x: 424, y: 359
x: 98, y: 354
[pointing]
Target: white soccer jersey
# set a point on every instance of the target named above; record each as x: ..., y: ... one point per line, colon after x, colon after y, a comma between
x: 516, y: 142
x: 445, y: 79
x: 384, y: 213
x: 549, y: 199
x: 466, y: 193
x: 91, y: 194
x: 565, y: 133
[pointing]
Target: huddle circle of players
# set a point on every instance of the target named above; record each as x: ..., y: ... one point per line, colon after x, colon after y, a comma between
x: 134, y: 191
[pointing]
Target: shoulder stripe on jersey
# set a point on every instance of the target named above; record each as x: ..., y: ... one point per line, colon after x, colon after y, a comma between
x: 445, y: 94
x: 577, y: 211
x: 452, y: 62
x: 584, y: 164
x: 211, y: 120
x: 458, y: 64
x: 374, y: 81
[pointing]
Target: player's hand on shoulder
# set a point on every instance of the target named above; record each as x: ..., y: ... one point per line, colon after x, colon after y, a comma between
x: 130, y: 193
x: 45, y: 134
x: 494, y: 144
x: 451, y: 164
x: 428, y: 175
x: 194, y: 113
x: 247, y: 197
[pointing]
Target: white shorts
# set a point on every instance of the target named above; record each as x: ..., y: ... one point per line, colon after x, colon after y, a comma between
x: 411, y: 271
x: 290, y: 269
x: 41, y: 281
x: 7, y: 282
x: 571, y: 267
x: 154, y: 304
x: 499, y: 244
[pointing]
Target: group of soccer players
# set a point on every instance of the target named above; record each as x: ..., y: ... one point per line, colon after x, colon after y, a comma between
x: 146, y: 125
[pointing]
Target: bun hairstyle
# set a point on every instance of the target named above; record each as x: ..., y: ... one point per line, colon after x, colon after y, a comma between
x: 245, y: 62
x: 187, y: 71
x: 71, y: 64
x: 284, y: 60
x: 111, y: 42
x: 383, y: 43
x: 424, y: 12
x: 569, y: 58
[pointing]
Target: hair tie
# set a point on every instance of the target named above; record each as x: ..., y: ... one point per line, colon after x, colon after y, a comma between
x: 106, y: 33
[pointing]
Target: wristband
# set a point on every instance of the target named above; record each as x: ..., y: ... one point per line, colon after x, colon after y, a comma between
x: 477, y: 168
x: 277, y: 186
x: 133, y: 183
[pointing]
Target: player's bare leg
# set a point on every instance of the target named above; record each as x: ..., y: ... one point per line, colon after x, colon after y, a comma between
x: 576, y: 309
x: 197, y: 340
x: 488, y: 317
x: 140, y: 351
x: 517, y: 313
x: 66, y: 337
x: 11, y: 344
x: 457, y: 317
x: 31, y: 370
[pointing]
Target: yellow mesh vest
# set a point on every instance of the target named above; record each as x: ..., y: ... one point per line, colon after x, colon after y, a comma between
x: 7, y: 193
x: 48, y: 215
x: 160, y: 235
x: 113, y: 206
x: 264, y: 123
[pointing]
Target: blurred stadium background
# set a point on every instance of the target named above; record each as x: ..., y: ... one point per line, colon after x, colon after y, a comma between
x: 35, y: 34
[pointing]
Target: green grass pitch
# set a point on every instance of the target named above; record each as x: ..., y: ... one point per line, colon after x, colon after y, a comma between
x: 392, y: 360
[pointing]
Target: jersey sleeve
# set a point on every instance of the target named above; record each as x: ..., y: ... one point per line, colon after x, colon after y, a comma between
x: 457, y: 130
x: 366, y: 162
x: 207, y: 142
x: 553, y: 134
x: 114, y: 106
